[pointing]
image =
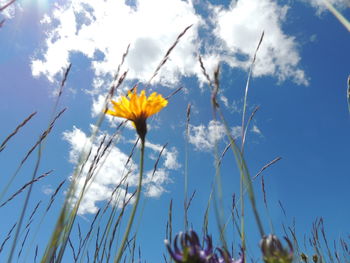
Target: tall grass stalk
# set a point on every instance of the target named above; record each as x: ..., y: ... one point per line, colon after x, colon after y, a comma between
x: 217, y: 182
x: 217, y: 185
x: 243, y: 131
x: 133, y: 212
x: 244, y: 174
x: 169, y: 229
x: 246, y: 190
x: 206, y: 215
x: 348, y: 93
x: 188, y: 114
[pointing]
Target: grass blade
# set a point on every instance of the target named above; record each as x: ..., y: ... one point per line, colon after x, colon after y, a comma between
x: 337, y: 14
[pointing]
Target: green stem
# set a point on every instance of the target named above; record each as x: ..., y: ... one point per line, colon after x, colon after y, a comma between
x: 186, y: 180
x: 244, y: 173
x: 132, y: 216
x: 242, y: 209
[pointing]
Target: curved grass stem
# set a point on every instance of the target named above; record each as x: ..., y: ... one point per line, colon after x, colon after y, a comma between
x: 244, y: 174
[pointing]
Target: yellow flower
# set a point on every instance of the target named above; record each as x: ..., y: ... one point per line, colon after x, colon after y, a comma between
x: 137, y: 108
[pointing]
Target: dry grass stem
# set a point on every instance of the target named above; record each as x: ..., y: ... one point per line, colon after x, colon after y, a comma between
x: 3, y: 144
x: 173, y: 93
x: 8, y: 236
x: 25, y: 186
x: 2, y: 8
x: 43, y: 136
x: 158, y: 158
x: 65, y: 76
x: 267, y: 166
x: 167, y: 54
x: 52, y: 198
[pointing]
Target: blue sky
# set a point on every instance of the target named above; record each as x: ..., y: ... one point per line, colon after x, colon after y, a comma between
x: 299, y: 82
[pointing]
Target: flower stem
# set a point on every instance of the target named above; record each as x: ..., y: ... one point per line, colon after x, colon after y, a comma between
x: 132, y: 216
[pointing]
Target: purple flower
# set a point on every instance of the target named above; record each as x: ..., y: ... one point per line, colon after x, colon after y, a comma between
x: 192, y: 252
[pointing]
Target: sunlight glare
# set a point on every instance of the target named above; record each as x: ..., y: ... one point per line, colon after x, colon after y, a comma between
x: 41, y: 5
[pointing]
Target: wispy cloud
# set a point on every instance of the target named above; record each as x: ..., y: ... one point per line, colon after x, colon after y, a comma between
x: 256, y: 130
x: 320, y: 5
x: 47, y: 189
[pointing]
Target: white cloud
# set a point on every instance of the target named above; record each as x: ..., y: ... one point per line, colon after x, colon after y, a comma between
x: 240, y: 28
x: 99, y: 102
x: 232, y: 106
x: 154, y: 190
x: 102, y: 30
x: 171, y: 159
x: 198, y: 137
x: 112, y: 171
x: 108, y: 27
x: 203, y: 138
x: 47, y: 189
x: 155, y: 181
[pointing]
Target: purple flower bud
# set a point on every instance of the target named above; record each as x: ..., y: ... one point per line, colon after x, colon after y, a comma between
x: 273, y: 250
